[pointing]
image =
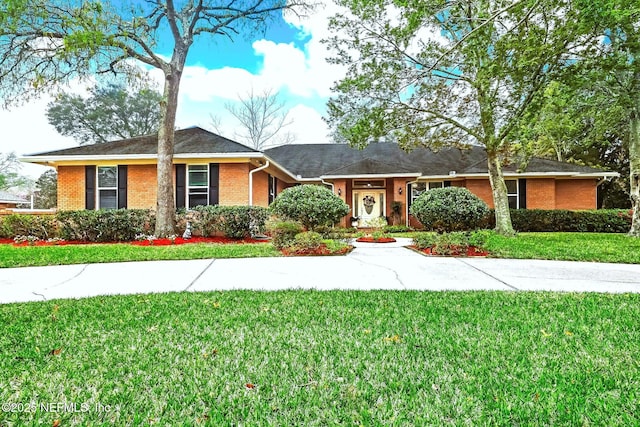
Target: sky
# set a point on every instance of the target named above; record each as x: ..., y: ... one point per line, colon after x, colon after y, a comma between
x: 288, y: 58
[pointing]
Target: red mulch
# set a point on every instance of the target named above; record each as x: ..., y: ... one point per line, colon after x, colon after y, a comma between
x: 471, y: 251
x: 156, y: 242
x: 374, y: 240
x: 321, y: 251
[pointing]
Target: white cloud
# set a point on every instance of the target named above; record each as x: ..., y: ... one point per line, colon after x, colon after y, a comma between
x: 307, y: 126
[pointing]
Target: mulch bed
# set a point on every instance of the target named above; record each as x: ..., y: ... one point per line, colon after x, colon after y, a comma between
x: 321, y: 251
x: 156, y: 242
x: 374, y: 240
x: 471, y: 251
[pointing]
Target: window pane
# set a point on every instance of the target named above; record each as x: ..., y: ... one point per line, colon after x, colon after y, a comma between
x: 198, y: 200
x: 513, y: 202
x: 198, y: 179
x: 512, y: 186
x: 107, y: 199
x: 107, y: 176
x: 433, y: 185
x: 417, y: 189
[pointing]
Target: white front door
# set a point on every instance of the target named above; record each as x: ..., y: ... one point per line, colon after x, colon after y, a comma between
x: 369, y: 205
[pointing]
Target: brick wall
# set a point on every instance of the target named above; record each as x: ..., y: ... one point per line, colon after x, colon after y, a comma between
x: 234, y: 184
x: 260, y: 188
x: 70, y: 188
x: 541, y: 193
x: 142, y: 186
x: 576, y: 194
x: 482, y: 189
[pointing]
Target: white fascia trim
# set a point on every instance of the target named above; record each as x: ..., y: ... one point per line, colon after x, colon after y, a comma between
x: 532, y: 174
x: 372, y: 176
x: 102, y: 157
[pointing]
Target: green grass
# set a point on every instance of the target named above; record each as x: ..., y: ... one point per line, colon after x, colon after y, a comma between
x: 600, y: 247
x: 326, y: 358
x: 11, y: 256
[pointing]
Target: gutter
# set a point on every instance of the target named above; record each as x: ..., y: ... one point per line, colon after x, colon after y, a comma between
x: 331, y: 184
x: 266, y: 165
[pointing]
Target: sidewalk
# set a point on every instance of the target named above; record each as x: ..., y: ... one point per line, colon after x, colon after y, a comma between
x: 369, y: 266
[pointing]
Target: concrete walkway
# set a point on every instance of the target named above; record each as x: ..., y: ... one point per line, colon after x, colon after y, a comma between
x: 369, y: 266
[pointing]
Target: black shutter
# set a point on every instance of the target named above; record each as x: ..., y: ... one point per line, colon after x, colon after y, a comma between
x: 90, y: 187
x: 408, y: 193
x: 181, y: 185
x: 447, y: 184
x: 273, y: 185
x: 214, y: 179
x: 122, y: 187
x: 522, y: 193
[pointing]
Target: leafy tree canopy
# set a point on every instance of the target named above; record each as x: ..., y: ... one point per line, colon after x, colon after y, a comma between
x: 109, y: 112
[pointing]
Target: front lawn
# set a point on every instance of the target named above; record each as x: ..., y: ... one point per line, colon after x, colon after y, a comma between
x: 11, y: 256
x: 323, y: 358
x: 599, y: 247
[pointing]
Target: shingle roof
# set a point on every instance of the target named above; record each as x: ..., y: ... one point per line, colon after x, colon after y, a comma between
x: 187, y: 141
x: 385, y: 158
x: 6, y: 197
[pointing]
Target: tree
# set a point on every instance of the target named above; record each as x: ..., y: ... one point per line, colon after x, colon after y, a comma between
x: 9, y: 173
x: 46, y: 196
x: 614, y: 72
x: 44, y: 44
x: 578, y: 123
x: 109, y: 112
x: 432, y: 73
x: 262, y: 118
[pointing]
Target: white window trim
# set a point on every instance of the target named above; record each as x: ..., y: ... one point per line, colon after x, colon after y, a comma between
x: 98, y: 188
x: 516, y: 194
x: 189, y: 187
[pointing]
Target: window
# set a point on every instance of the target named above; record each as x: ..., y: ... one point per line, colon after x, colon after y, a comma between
x: 512, y: 193
x: 198, y: 183
x: 417, y: 188
x: 273, y: 184
x: 436, y: 184
x: 376, y: 183
x: 107, y: 187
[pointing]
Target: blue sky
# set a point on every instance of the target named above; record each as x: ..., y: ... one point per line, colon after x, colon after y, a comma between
x: 288, y: 59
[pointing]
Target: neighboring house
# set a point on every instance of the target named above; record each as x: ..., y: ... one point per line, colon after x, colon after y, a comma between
x: 10, y: 201
x: 210, y: 169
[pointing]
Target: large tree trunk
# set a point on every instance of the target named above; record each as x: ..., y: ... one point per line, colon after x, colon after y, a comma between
x: 634, y: 166
x: 165, y: 208
x: 500, y: 197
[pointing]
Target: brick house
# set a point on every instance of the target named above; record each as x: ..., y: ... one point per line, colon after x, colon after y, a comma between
x: 10, y: 201
x: 380, y: 180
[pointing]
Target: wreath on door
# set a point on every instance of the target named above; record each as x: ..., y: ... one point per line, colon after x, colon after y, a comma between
x: 368, y: 202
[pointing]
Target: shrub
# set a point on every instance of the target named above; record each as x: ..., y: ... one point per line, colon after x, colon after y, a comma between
x: 397, y: 229
x: 449, y: 209
x: 450, y: 243
x: 424, y: 240
x: 39, y: 226
x: 238, y: 222
x: 311, y: 205
x: 334, y: 233
x: 283, y: 233
x: 306, y: 241
x: 540, y: 220
x: 111, y: 225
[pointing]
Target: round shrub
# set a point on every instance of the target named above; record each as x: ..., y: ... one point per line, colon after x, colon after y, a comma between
x: 311, y: 205
x: 283, y: 233
x: 449, y: 209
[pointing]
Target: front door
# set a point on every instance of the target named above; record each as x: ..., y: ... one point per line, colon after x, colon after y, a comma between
x: 369, y: 205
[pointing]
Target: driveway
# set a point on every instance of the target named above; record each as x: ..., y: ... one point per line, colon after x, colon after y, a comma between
x: 369, y: 266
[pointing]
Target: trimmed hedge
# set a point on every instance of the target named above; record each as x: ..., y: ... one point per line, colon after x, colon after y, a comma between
x: 449, y: 209
x: 311, y: 205
x: 594, y: 221
x: 112, y: 225
x: 41, y: 226
x: 236, y: 222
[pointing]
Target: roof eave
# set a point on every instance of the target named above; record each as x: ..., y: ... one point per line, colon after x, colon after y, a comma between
x: 107, y: 157
x: 371, y: 176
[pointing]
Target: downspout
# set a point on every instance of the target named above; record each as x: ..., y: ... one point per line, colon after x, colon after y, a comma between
x: 332, y: 185
x: 266, y: 165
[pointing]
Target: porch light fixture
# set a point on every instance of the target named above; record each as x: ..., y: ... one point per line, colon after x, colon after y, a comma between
x: 339, y: 191
x: 399, y: 190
